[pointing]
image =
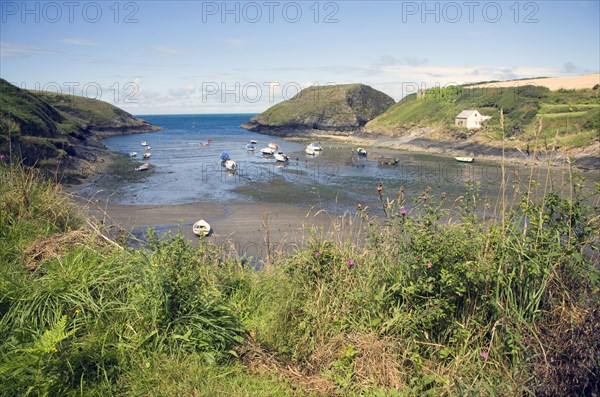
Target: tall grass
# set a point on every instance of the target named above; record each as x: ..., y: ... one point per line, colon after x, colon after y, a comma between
x: 436, y: 301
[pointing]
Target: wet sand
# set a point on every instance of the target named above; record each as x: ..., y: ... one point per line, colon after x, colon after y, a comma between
x: 252, y: 229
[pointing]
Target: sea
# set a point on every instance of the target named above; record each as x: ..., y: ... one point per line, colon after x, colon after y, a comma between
x: 185, y: 167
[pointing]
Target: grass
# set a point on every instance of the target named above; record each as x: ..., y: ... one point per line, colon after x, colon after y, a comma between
x: 433, y: 302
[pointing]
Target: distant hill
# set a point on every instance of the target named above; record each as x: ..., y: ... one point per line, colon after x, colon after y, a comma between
x: 59, y: 133
x: 331, y: 108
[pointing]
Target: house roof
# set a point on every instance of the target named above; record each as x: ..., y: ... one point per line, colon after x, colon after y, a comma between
x: 466, y: 113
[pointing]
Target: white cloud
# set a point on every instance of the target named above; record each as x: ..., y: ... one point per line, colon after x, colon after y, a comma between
x: 10, y: 50
x: 78, y: 41
x: 234, y: 42
x: 165, y: 50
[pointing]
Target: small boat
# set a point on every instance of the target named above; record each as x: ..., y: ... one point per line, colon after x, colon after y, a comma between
x: 253, y: 141
x: 146, y: 155
x: 281, y: 157
x: 144, y: 143
x: 203, y: 144
x: 250, y: 147
x: 147, y: 147
x: 267, y: 151
x: 388, y: 160
x: 273, y: 145
x: 133, y: 154
x: 310, y: 151
x: 224, y: 156
x: 315, y: 146
x: 230, y: 165
x: 142, y: 167
x: 361, y: 151
x: 465, y: 159
x: 201, y: 228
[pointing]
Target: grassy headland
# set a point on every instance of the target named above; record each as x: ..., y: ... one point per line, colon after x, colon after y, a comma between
x: 433, y: 302
x: 59, y: 133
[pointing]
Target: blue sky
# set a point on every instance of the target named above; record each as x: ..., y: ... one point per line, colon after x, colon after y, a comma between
x: 159, y: 57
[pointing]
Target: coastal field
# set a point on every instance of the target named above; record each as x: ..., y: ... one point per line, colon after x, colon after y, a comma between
x: 553, y: 83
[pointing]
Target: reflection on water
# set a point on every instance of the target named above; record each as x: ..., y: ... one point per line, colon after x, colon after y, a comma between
x: 185, y: 169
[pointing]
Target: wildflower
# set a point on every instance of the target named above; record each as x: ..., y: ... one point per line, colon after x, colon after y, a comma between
x: 403, y: 212
x: 350, y: 262
x: 359, y: 206
x: 429, y: 264
x: 443, y: 195
x: 53, y: 349
x: 484, y: 355
x: 317, y: 254
x: 424, y: 197
x: 77, y: 311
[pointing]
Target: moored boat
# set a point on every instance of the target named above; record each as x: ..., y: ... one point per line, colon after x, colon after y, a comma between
x: 224, y: 156
x: 281, y: 157
x: 315, y: 146
x: 361, y: 151
x: 201, y: 228
x: 465, y: 159
x: 144, y: 143
x: 250, y: 147
x: 146, y: 155
x: 253, y: 141
x: 273, y: 145
x: 267, y: 151
x: 133, y: 154
x: 142, y: 167
x: 230, y: 165
x: 388, y: 160
x: 310, y: 151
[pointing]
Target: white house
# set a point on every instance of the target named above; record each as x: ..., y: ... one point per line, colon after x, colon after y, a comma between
x: 471, y: 119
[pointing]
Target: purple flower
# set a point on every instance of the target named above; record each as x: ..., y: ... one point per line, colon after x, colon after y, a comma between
x: 484, y: 355
x: 403, y: 212
x: 424, y: 197
x: 429, y: 264
x: 317, y: 254
x: 350, y: 262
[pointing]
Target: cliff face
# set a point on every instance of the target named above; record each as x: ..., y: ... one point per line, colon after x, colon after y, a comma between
x: 60, y: 134
x: 331, y: 108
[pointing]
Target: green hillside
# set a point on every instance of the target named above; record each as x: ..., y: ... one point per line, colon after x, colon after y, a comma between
x: 573, y: 116
x: 337, y: 107
x: 56, y: 132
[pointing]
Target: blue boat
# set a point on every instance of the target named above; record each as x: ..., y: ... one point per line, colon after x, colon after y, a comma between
x: 250, y: 147
x: 224, y: 156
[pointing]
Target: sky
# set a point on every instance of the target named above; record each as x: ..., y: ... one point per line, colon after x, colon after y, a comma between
x: 193, y: 57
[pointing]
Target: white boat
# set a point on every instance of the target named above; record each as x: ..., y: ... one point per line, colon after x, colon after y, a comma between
x: 465, y: 159
x: 146, y: 155
x: 253, y: 141
x: 144, y: 143
x: 361, y: 151
x: 267, y: 151
x: 273, y: 145
x: 133, y: 154
x: 142, y: 167
x: 148, y: 147
x: 315, y: 146
x: 281, y: 157
x: 310, y: 151
x: 230, y: 165
x: 201, y: 228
